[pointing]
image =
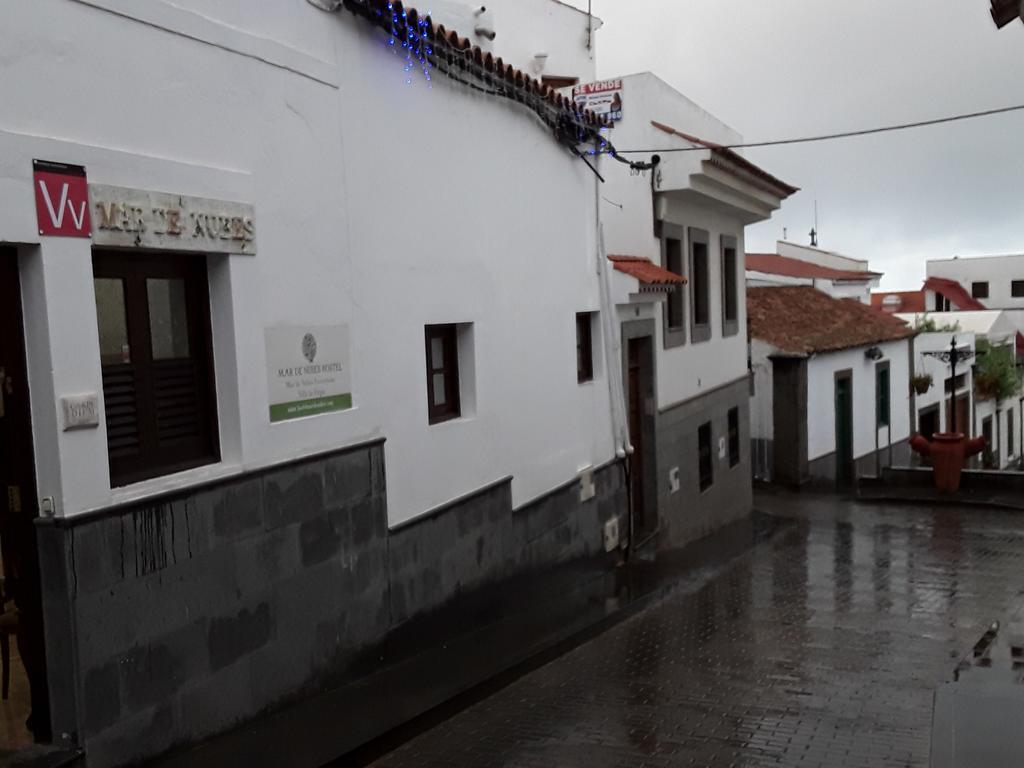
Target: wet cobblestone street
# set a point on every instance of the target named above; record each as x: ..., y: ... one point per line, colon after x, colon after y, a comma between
x: 821, y: 647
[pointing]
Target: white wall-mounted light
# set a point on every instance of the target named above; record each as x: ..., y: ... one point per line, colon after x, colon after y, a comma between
x: 540, y: 61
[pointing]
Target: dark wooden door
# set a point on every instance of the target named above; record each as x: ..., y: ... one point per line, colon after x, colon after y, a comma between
x: 636, y: 435
x: 18, y: 503
x: 990, y: 458
x: 928, y: 424
x: 844, y: 431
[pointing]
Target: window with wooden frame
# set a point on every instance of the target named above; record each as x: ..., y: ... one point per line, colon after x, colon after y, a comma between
x: 700, y: 288
x: 674, y: 310
x: 584, y: 347
x: 734, y: 437
x: 979, y: 290
x: 156, y: 355
x: 705, y: 457
x: 730, y: 287
x: 443, y: 402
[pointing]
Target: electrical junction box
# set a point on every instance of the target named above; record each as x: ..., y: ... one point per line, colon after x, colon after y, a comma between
x: 611, y: 535
x: 587, y: 488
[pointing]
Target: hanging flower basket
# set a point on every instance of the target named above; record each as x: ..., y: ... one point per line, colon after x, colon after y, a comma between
x: 921, y: 383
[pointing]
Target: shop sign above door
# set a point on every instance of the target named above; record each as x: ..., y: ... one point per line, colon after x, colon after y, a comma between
x: 62, y: 199
x: 129, y: 218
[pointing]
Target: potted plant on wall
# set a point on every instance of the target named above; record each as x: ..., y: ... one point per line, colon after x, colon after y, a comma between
x: 921, y: 382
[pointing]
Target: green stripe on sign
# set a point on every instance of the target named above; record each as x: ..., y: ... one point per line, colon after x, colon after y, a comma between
x: 303, y: 408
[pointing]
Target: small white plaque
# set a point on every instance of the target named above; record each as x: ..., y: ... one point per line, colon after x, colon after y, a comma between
x: 81, y: 411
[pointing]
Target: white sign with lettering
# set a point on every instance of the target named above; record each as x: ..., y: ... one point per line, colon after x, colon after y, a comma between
x: 308, y: 371
x: 81, y: 411
x: 128, y: 218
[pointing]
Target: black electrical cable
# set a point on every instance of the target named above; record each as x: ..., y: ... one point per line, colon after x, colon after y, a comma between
x: 832, y: 136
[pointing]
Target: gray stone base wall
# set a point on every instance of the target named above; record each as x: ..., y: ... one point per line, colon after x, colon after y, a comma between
x: 169, y: 622
x: 689, y: 514
x: 822, y: 470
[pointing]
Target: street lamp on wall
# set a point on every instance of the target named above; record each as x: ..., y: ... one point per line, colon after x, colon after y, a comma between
x: 874, y: 353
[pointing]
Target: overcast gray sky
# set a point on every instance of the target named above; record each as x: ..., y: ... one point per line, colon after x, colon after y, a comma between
x: 782, y: 68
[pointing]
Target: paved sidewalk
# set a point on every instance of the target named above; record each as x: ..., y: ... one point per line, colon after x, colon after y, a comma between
x: 822, y: 647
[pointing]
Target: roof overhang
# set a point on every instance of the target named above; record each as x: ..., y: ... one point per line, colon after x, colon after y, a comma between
x: 721, y: 176
x: 640, y: 280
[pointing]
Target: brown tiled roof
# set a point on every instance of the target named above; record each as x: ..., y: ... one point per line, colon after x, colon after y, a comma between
x: 646, y: 271
x: 903, y: 301
x: 801, y: 320
x: 773, y: 264
x: 956, y: 293
x: 717, y: 150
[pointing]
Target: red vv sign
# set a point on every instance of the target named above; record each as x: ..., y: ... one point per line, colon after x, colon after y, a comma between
x: 62, y: 199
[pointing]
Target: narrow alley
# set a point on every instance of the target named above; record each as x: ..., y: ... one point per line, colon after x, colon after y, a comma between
x: 822, y: 646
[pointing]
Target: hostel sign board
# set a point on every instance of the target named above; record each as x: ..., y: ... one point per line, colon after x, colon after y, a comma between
x: 308, y: 371
x: 603, y: 98
x: 135, y: 218
x: 62, y: 199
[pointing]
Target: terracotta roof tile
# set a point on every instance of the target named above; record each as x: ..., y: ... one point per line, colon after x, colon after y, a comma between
x: 646, y: 271
x: 773, y: 264
x: 956, y: 293
x: 801, y: 320
x: 899, y: 301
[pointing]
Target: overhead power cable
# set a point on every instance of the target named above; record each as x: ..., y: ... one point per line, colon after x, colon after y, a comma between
x: 832, y: 136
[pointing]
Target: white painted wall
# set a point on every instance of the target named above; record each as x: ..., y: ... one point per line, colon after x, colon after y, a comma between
x: 525, y: 28
x: 820, y: 256
x: 821, y: 427
x: 379, y: 204
x: 998, y: 271
x: 628, y: 214
x: 627, y: 208
x: 691, y: 370
x: 762, y: 404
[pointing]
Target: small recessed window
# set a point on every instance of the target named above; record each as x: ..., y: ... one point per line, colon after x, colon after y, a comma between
x: 700, y: 289
x: 584, y: 347
x: 674, y: 263
x: 1009, y: 432
x: 979, y: 290
x: 882, y: 394
x: 730, y: 292
x: 705, y: 464
x: 1017, y: 289
x: 443, y: 401
x: 734, y: 436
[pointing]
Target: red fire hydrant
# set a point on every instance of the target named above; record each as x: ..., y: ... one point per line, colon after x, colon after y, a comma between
x: 948, y: 454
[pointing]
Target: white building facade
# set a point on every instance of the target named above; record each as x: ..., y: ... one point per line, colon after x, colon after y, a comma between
x: 998, y: 420
x: 304, y: 377
x: 831, y: 398
x: 839, y: 276
x: 685, y: 348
